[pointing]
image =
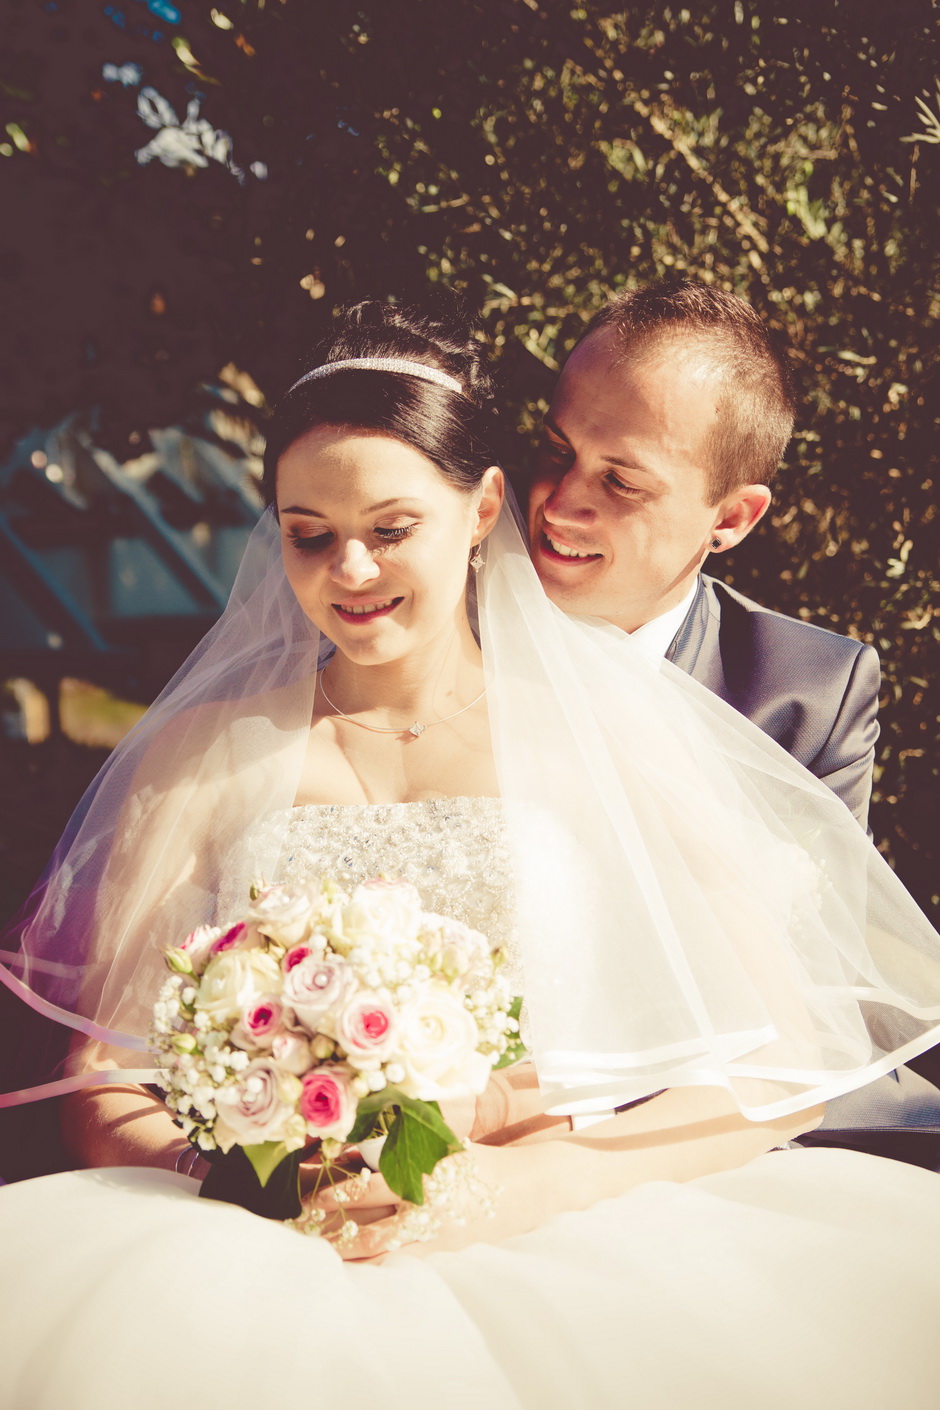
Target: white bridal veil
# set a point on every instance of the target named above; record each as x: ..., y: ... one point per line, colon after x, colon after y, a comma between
x: 694, y: 907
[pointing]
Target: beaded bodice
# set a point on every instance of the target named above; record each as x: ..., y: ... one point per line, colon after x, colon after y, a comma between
x: 454, y: 850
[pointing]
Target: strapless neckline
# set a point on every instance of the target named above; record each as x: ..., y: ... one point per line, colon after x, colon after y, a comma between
x: 454, y: 850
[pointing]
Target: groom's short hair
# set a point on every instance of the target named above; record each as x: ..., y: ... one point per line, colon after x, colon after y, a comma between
x: 756, y: 403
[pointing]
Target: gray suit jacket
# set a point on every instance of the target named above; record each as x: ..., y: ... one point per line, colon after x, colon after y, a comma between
x: 816, y: 693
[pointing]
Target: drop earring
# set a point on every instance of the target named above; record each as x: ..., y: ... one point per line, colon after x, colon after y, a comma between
x: 476, y: 558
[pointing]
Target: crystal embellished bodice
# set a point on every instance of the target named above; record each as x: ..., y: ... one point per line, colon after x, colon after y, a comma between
x: 454, y: 850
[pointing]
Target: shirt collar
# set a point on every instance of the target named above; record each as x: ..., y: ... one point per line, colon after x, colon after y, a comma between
x: 654, y: 638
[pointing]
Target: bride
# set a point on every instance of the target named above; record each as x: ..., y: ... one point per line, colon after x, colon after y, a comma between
x: 708, y: 946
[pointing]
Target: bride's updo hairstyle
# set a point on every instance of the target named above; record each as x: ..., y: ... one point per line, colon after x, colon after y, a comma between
x: 453, y: 429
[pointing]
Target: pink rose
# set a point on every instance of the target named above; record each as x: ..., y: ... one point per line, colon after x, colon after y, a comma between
x: 229, y: 939
x: 260, y: 1021
x: 327, y: 1103
x: 260, y: 1106
x: 294, y: 956
x: 313, y: 987
x: 368, y: 1029
x: 199, y: 942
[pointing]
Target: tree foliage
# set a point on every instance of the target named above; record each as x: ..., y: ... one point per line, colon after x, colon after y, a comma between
x: 535, y: 156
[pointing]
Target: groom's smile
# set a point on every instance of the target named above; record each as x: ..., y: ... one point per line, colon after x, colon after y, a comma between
x: 553, y: 546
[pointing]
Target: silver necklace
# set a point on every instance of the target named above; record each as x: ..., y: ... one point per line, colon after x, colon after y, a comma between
x: 416, y: 729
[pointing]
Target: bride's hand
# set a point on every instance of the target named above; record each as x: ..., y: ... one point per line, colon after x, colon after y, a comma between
x: 679, y: 1135
x: 503, y: 1179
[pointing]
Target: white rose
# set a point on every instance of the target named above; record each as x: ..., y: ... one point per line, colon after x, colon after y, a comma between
x: 382, y: 914
x: 233, y: 979
x: 437, y: 1043
x: 260, y: 1106
x: 283, y: 913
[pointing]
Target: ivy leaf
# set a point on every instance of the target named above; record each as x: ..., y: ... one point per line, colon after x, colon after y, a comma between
x: 368, y: 1112
x: 418, y: 1138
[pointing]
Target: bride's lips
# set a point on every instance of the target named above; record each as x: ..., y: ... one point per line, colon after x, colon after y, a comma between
x: 557, y: 551
x: 358, y: 612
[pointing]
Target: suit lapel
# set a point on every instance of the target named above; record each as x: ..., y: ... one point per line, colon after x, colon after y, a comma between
x: 696, y: 646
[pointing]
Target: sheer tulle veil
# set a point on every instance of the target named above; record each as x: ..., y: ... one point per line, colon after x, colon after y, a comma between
x: 694, y: 907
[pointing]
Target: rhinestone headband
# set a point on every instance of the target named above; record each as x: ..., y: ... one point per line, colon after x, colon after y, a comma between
x: 382, y: 364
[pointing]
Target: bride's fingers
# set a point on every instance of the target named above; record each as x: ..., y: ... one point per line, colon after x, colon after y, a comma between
x: 364, y: 1191
x: 372, y: 1241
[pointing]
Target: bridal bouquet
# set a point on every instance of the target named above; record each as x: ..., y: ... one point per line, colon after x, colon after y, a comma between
x: 320, y: 1020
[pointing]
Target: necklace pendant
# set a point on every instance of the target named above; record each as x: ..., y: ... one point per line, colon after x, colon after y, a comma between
x: 417, y: 729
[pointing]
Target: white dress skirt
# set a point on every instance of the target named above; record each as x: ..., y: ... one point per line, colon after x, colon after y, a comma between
x: 807, y: 1280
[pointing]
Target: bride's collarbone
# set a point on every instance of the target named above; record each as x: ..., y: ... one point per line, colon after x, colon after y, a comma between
x: 346, y: 769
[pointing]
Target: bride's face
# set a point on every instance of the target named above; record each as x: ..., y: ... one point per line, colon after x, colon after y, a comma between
x: 376, y: 541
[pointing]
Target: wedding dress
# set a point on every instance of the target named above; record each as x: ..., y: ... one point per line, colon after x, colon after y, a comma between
x: 807, y: 1278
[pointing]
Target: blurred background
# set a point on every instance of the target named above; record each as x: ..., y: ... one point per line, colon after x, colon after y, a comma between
x: 189, y: 189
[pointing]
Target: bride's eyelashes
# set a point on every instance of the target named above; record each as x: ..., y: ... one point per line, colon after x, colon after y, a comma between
x: 314, y: 543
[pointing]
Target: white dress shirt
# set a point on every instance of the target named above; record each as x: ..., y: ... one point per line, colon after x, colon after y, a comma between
x: 654, y: 638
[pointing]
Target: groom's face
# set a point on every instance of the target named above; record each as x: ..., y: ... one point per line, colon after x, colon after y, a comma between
x: 619, y: 517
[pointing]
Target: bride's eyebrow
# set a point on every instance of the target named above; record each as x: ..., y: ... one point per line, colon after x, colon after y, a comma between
x: 371, y: 509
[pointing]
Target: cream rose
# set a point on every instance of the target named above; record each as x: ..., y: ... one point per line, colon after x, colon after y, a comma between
x: 382, y: 914
x: 260, y: 1106
x: 437, y: 1043
x: 235, y: 979
x: 459, y: 952
x: 292, y: 1052
x: 283, y: 913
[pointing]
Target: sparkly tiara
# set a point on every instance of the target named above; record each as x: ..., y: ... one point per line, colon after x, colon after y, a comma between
x: 382, y: 364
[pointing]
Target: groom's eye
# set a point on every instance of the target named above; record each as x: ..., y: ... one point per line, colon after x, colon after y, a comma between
x: 615, y: 483
x: 555, y: 450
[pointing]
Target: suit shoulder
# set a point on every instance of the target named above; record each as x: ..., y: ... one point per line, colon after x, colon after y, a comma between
x: 777, y: 627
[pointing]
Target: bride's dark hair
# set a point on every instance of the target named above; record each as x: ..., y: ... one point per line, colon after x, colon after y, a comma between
x: 452, y: 429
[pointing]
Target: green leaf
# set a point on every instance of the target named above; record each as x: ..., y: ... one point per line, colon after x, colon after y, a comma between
x: 265, y: 1159
x: 368, y: 1113
x: 418, y: 1138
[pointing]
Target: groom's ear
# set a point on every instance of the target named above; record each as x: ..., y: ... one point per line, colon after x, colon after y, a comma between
x: 739, y: 512
x: 491, y: 491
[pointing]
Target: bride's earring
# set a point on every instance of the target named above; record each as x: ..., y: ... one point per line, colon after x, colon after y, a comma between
x: 476, y: 558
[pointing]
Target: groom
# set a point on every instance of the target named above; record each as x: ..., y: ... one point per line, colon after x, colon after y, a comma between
x: 668, y: 422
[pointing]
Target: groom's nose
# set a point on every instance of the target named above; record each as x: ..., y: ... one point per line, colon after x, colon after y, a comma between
x: 569, y: 501
x: 353, y: 564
